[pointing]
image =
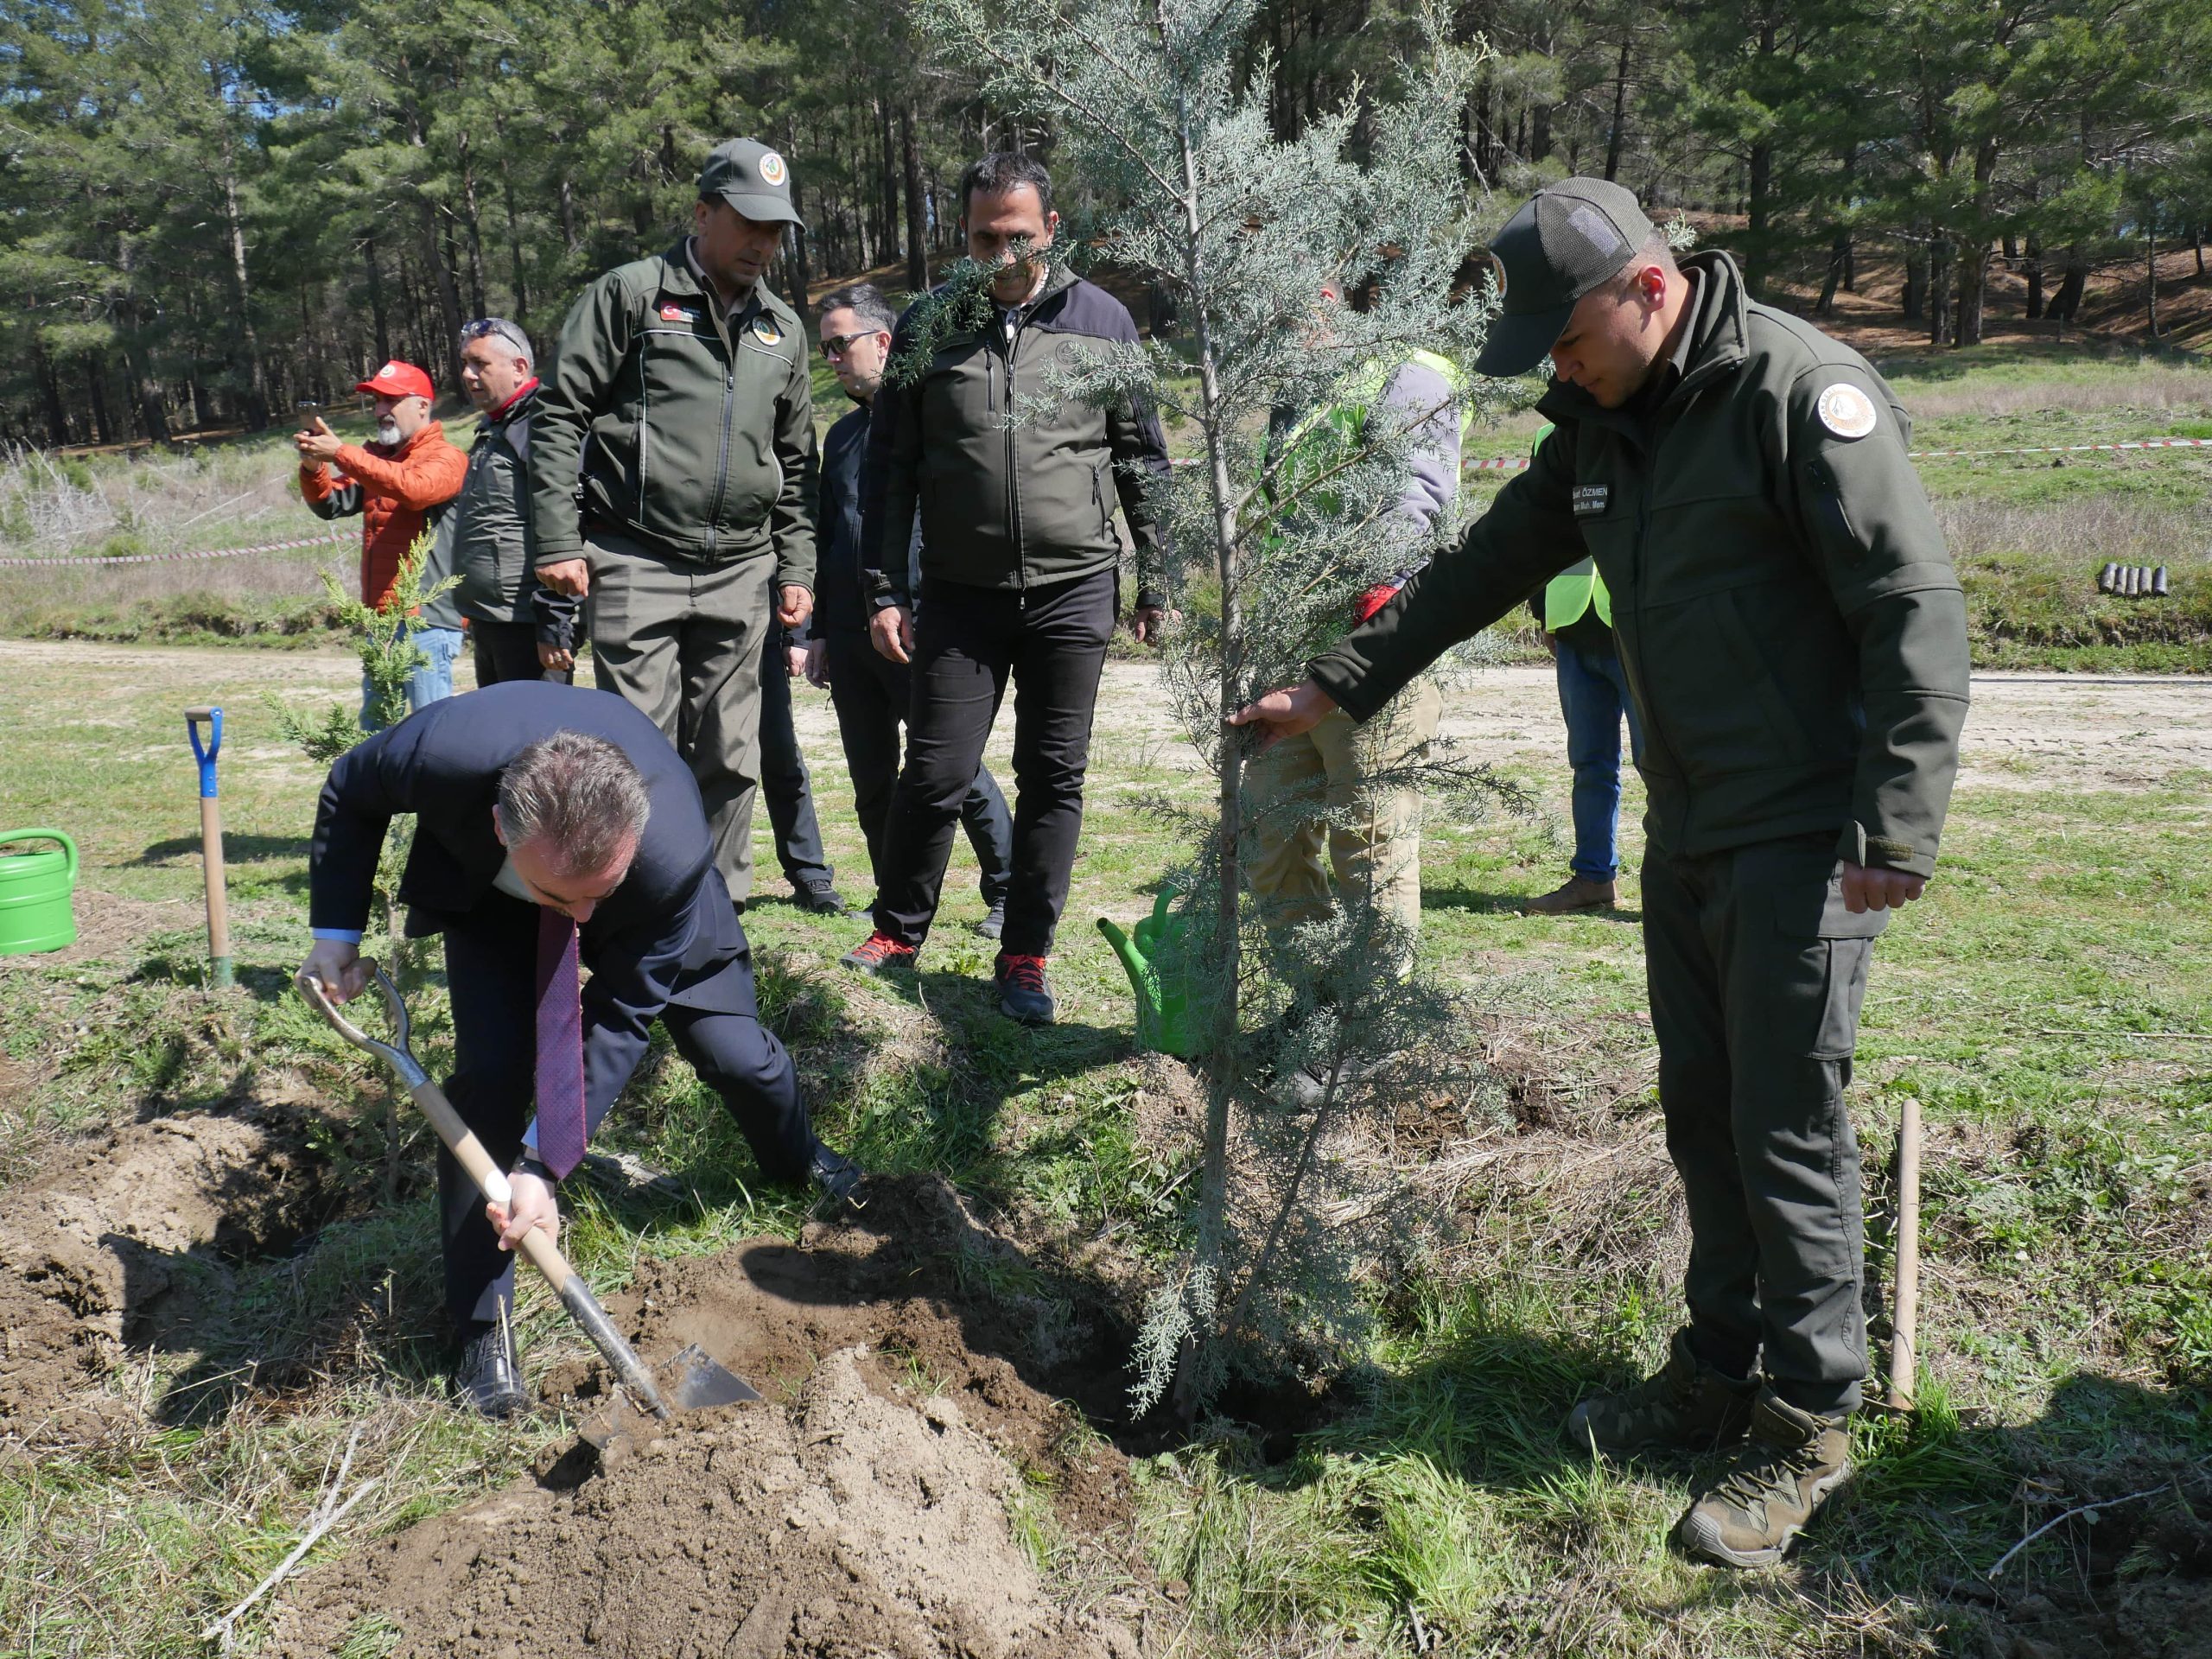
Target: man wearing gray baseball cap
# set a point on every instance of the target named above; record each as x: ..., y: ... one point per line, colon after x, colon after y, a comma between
x: 679, y: 391
x: 1795, y: 648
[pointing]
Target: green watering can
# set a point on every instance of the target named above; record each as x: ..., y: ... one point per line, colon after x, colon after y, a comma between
x: 35, y: 889
x: 1160, y: 975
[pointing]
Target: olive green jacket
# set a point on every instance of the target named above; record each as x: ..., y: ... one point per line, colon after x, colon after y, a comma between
x: 1794, y: 634
x: 663, y: 420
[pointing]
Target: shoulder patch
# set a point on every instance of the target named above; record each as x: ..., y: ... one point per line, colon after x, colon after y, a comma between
x: 766, y: 329
x: 1845, y: 412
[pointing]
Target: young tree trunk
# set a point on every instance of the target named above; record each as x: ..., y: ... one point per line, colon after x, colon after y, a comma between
x: 1759, y: 188
x: 801, y: 271
x: 568, y: 238
x: 520, y: 281
x: 448, y: 297
x: 2066, y: 304
x: 1620, y: 115
x: 910, y: 154
x: 153, y: 413
x: 2034, y: 273
x: 1973, y: 288
x: 1916, y: 281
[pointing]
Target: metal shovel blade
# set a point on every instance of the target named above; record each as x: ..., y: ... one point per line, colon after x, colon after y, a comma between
x: 689, y: 1380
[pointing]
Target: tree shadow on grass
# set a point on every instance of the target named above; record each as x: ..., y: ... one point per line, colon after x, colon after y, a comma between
x: 236, y: 849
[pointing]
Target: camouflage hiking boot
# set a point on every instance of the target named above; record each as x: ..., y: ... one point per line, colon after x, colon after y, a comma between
x: 1794, y: 1460
x: 1687, y: 1407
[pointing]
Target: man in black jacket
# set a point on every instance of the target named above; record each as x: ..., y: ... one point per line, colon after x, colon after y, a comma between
x: 1020, y: 565
x: 870, y: 691
x: 519, y: 630
x: 555, y: 827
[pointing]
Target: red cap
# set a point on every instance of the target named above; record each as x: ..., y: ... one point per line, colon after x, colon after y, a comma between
x: 397, y: 380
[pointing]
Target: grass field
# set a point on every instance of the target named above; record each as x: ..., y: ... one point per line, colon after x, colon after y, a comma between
x: 2029, y: 531
x: 2047, y: 1003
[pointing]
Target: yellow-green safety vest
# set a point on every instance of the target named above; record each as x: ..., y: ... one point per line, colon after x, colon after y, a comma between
x: 1569, y: 595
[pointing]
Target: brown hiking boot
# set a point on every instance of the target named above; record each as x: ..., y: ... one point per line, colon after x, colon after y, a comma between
x: 1576, y: 892
x: 1793, y: 1459
x: 1687, y: 1407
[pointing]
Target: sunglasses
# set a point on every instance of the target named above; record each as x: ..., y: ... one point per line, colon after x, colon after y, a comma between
x: 836, y: 345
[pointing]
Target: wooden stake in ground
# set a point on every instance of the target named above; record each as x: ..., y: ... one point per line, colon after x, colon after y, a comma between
x: 211, y: 836
x: 1904, y: 1348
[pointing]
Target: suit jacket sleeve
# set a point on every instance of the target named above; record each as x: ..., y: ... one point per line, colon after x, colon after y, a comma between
x: 1527, y: 537
x: 370, y: 784
x: 1861, y: 508
x: 633, y: 975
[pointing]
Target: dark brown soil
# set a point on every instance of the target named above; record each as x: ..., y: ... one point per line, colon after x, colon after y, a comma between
x: 861, y: 1509
x: 126, y: 1243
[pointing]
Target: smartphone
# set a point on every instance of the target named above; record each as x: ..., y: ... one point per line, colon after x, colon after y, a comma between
x: 308, y: 406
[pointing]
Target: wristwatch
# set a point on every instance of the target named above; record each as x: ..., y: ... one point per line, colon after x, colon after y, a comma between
x: 528, y: 1164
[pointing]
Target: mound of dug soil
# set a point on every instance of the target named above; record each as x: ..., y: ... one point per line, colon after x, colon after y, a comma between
x: 848, y: 1525
x: 915, y: 1367
x: 124, y: 1245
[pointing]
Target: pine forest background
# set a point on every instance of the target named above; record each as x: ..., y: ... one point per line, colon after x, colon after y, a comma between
x: 208, y: 213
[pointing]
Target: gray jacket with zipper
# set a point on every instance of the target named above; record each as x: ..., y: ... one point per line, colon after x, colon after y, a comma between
x: 1011, y: 498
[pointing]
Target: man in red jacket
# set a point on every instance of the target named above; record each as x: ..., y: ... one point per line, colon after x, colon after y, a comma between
x: 399, y: 484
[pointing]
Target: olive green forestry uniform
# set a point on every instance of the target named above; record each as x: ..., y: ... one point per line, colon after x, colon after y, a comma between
x: 1795, y: 641
x: 673, y: 451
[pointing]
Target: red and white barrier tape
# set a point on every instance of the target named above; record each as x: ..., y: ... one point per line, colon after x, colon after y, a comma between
x: 160, y: 558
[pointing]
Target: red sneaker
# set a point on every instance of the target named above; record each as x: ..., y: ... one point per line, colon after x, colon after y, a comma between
x: 879, y: 953
x: 1024, y: 992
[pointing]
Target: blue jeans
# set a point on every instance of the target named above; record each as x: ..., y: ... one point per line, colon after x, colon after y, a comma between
x: 1593, y: 696
x: 429, y: 683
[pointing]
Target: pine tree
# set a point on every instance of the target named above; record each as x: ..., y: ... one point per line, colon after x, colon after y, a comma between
x: 1270, y: 545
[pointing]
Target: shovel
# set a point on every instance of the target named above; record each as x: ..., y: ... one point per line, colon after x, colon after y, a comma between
x: 690, y: 1379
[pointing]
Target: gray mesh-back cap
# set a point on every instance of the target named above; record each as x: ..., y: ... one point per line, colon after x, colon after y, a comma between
x: 753, y: 179
x: 1565, y: 240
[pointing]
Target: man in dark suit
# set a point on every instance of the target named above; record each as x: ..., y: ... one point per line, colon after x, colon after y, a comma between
x: 554, y: 826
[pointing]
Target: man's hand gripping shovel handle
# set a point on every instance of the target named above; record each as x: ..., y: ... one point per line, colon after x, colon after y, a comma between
x: 462, y: 1141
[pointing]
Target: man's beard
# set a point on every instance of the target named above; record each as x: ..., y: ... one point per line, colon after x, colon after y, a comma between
x: 387, y: 430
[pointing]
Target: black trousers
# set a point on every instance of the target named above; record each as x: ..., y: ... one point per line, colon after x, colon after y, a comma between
x: 1757, y: 975
x: 508, y: 651
x: 872, y: 695
x: 491, y: 969
x: 784, y: 780
x: 1051, y: 642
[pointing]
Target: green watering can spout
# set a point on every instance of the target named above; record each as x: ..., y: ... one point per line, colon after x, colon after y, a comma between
x: 34, y: 890
x: 1159, y: 975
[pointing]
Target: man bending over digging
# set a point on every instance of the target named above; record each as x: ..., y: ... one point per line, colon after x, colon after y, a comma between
x: 555, y: 827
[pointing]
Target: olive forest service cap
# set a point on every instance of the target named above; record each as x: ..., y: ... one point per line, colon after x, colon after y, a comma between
x: 753, y: 179
x: 1566, y: 240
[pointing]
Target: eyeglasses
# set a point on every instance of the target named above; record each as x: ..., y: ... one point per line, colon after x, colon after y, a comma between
x: 836, y: 345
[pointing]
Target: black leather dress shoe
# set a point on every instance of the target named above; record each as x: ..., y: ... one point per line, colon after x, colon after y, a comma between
x: 836, y: 1178
x: 489, y: 1375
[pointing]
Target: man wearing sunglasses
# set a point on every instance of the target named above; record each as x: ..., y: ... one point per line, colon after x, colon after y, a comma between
x: 672, y: 456
x: 519, y: 630
x: 869, y: 690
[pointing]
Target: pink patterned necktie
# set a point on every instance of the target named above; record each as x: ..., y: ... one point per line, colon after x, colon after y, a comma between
x: 560, y: 1046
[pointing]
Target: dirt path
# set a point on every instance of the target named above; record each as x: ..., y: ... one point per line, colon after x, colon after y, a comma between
x: 2027, y: 731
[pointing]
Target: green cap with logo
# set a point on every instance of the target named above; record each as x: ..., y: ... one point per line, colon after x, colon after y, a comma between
x: 753, y: 179
x: 1566, y: 240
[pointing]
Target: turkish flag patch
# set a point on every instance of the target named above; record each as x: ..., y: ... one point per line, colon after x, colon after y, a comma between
x: 674, y: 313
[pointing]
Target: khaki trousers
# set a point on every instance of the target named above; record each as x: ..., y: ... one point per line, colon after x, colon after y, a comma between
x: 681, y: 642
x: 1374, y: 847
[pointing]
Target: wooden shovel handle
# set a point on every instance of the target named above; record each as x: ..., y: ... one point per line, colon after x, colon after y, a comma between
x: 490, y: 1179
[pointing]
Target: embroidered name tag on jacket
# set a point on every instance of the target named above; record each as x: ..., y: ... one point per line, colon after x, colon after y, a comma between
x: 1591, y: 498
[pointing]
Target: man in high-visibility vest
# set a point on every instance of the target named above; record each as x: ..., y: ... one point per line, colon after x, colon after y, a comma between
x: 1372, y: 831
x: 1576, y: 615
